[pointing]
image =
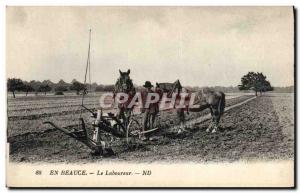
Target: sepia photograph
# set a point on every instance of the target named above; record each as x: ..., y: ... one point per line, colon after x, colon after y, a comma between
x: 150, y: 96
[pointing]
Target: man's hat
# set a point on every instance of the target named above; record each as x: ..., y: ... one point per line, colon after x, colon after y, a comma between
x: 147, y: 84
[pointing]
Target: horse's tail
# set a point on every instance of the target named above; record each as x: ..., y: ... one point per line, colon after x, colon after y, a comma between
x: 222, y: 103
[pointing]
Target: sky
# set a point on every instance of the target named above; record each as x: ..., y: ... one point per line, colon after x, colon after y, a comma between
x: 200, y: 46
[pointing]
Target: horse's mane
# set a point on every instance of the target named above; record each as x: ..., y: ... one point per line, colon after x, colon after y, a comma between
x: 166, y: 86
x: 117, y: 85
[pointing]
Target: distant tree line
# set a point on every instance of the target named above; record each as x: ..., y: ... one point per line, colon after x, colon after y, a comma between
x: 251, y: 81
x: 17, y: 85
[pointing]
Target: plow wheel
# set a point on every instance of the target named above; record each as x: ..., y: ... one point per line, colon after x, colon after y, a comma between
x: 132, y: 128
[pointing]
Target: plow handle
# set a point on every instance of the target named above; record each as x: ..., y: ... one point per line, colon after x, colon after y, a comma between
x: 57, y: 127
x: 67, y: 132
x: 84, y: 139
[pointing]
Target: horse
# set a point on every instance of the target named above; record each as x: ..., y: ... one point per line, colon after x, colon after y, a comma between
x: 204, y: 98
x: 215, y: 101
x: 170, y: 89
x: 124, y: 85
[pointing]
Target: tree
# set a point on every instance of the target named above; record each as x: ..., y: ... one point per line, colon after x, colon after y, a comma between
x: 264, y: 85
x: 14, y: 84
x: 49, y: 82
x: 27, y: 88
x: 94, y: 86
x: 77, y: 86
x: 61, y: 88
x: 44, y: 88
x: 35, y: 85
x: 255, y: 81
x: 61, y: 82
x: 74, y: 80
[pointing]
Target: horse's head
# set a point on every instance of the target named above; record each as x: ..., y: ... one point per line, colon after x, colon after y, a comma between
x: 162, y: 88
x: 177, y: 84
x: 157, y: 85
x: 124, y: 82
x: 158, y: 89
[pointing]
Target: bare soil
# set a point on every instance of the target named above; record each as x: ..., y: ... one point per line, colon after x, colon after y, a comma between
x: 252, y: 131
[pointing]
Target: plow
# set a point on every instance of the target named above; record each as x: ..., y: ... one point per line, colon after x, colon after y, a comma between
x: 103, y: 124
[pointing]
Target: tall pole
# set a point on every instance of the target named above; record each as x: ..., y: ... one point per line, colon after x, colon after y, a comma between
x: 87, y: 65
x: 90, y: 61
x: 88, y: 57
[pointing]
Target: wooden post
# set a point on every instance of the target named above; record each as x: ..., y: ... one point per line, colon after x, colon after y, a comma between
x: 96, y: 134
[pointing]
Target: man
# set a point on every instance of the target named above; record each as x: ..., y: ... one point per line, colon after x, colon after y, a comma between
x: 151, y: 111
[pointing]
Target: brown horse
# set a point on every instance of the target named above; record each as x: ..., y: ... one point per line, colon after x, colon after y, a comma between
x: 124, y: 85
x: 215, y: 101
x: 203, y: 99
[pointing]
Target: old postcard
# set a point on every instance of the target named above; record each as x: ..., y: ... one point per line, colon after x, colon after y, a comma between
x: 150, y: 96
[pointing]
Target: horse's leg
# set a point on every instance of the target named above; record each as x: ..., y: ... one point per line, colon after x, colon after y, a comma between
x: 121, y: 113
x: 181, y: 117
x: 153, y: 116
x: 218, y: 111
x: 216, y: 119
x: 145, y: 124
x: 212, y: 122
x: 128, y: 116
x: 120, y: 116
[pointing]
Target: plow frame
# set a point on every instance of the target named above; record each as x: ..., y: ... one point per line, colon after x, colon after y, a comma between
x: 100, y: 124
